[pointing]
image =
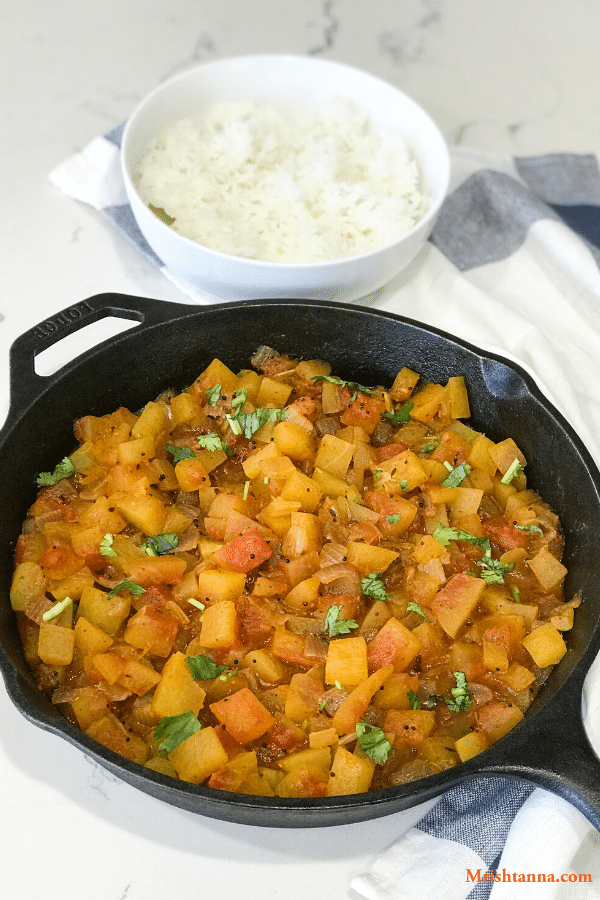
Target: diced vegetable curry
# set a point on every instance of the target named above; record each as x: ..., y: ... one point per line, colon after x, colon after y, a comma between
x: 281, y: 583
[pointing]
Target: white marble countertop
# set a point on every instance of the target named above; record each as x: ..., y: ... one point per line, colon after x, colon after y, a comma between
x: 515, y: 78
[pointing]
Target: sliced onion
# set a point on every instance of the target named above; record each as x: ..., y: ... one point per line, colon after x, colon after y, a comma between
x: 332, y: 554
x: 315, y: 647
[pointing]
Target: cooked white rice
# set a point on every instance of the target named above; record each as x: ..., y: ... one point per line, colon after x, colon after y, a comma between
x: 253, y: 181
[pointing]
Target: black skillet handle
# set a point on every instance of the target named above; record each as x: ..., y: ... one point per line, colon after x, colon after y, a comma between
x: 558, y: 756
x: 26, y: 385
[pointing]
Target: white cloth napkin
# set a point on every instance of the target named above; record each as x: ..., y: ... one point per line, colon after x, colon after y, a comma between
x: 513, y: 265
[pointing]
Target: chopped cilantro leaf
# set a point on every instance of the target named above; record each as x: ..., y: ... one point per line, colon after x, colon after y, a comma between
x: 171, y: 731
x: 160, y: 544
x: 233, y: 424
x: 213, y: 394
x: 351, y: 385
x: 136, y: 589
x: 373, y: 586
x: 56, y: 609
x: 431, y: 444
x: 239, y: 398
x: 393, y: 518
x: 203, y: 667
x: 530, y: 529
x: 322, y: 705
x: 246, y: 489
x: 492, y: 570
x: 106, y: 545
x: 457, y: 475
x: 413, y: 699
x: 213, y: 442
x: 513, y: 470
x: 378, y: 473
x: 399, y: 416
x: 179, y: 453
x: 197, y: 603
x: 373, y: 742
x: 515, y: 594
x: 64, y: 469
x: 414, y: 607
x: 444, y: 534
x: 461, y: 698
x: 334, y: 625
x: 403, y: 485
x: 254, y: 421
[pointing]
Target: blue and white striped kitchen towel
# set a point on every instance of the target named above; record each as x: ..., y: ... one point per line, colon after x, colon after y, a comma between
x: 513, y: 265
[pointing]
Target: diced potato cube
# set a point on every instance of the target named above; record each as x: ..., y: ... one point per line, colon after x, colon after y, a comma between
x: 354, y: 706
x: 394, y: 645
x: 269, y: 669
x: 106, y: 614
x: 56, y: 644
x: 152, y: 422
x: 470, y: 745
x: 304, y: 490
x: 410, y: 726
x: 548, y: 570
x: 143, y: 511
x: 218, y: 625
x: 28, y: 583
x: 347, y: 661
x: 458, y: 399
x: 497, y: 719
x: 401, y: 473
x: 293, y: 440
x: 334, y: 455
x: 495, y: 656
x: 546, y: 645
x: 191, y: 475
x: 350, y: 774
x: 198, y: 756
x: 504, y: 454
x: 273, y: 393
x: 90, y: 639
x: 369, y: 558
x: 177, y: 691
x: 324, y: 738
x: 109, y: 732
x: 219, y: 585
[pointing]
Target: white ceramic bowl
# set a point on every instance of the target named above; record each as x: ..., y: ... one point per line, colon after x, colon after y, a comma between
x: 278, y: 79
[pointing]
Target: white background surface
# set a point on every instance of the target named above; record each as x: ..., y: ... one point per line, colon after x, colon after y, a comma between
x: 517, y: 78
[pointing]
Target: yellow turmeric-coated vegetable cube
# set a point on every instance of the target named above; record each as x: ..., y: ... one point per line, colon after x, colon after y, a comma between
x: 470, y: 745
x: 369, y: 558
x: 90, y: 639
x: 331, y: 485
x: 548, y: 570
x: 218, y: 625
x: 545, y: 645
x: 269, y: 669
x: 505, y: 453
x: 177, y: 691
x: 198, y: 756
x: 28, y: 583
x: 191, y: 475
x: 350, y: 774
x: 455, y: 602
x: 304, y: 490
x: 273, y: 393
x: 293, y: 440
x: 217, y: 585
x: 56, y: 644
x: 136, y: 451
x: 218, y: 373
x: 143, y: 511
x: 346, y: 661
x: 334, y: 455
x: 479, y: 455
x: 497, y: 719
x: 152, y: 422
x: 457, y: 397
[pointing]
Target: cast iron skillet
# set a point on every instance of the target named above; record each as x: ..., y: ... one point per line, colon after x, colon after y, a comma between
x: 169, y: 348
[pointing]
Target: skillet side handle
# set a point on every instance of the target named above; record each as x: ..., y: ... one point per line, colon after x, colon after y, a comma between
x: 560, y: 757
x: 26, y: 385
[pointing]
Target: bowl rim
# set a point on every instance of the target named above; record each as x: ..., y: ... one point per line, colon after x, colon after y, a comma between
x: 423, y: 224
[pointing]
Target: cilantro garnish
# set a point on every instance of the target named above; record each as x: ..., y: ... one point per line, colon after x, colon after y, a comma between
x: 239, y: 398
x: 136, y: 589
x: 378, y: 473
x: 63, y: 469
x: 203, y: 667
x: 197, y: 603
x: 399, y: 416
x: 334, y: 625
x: 56, y: 609
x: 413, y: 699
x: 460, y: 694
x: 213, y: 394
x: 106, y: 545
x: 351, y: 385
x: 160, y: 544
x: 393, y: 518
x: 322, y: 705
x: 373, y: 742
x: 252, y: 422
x: 492, y: 570
x: 515, y: 594
x: 457, y: 475
x: 373, y: 586
x: 179, y: 453
x: 213, y: 442
x: 414, y: 607
x: 403, y: 485
x: 513, y: 470
x: 444, y: 534
x: 171, y: 731
x: 431, y: 444
x: 530, y: 529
